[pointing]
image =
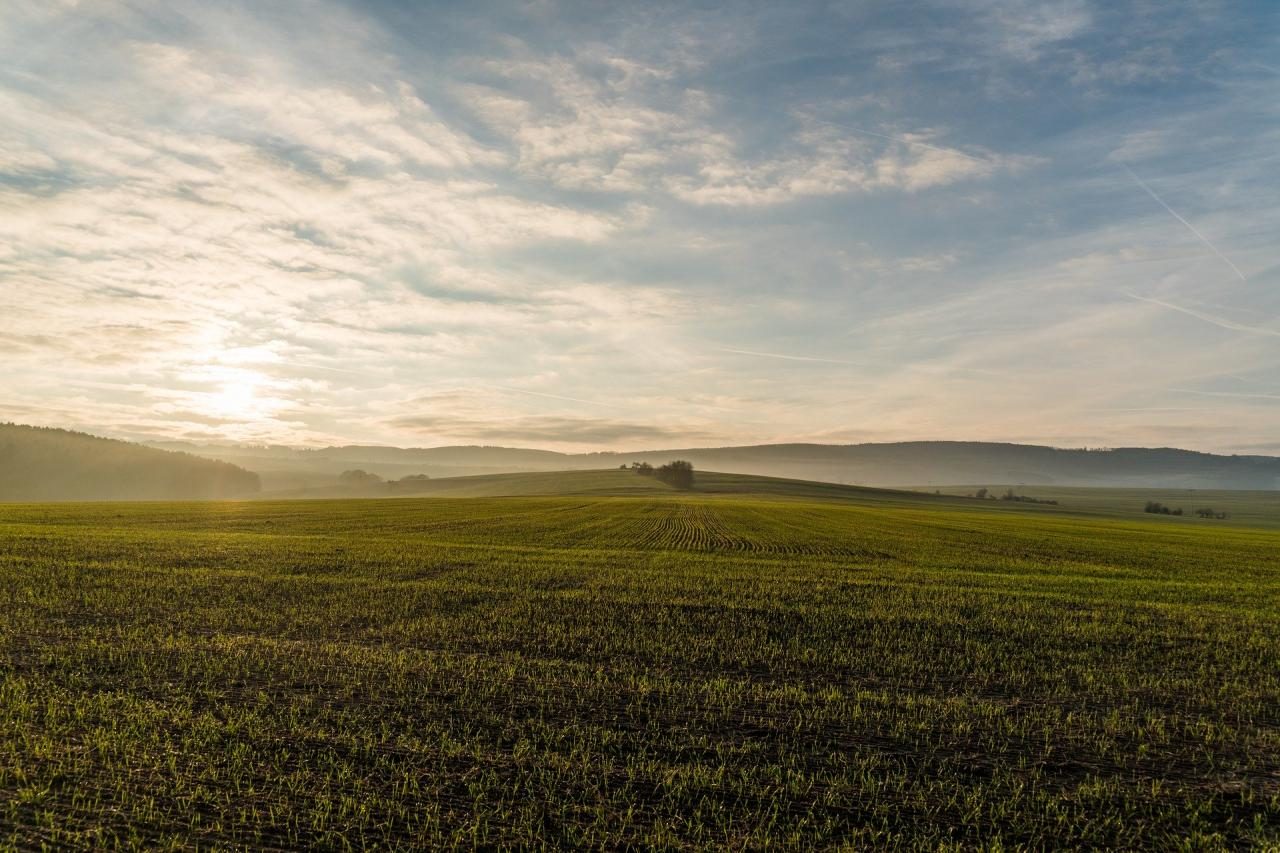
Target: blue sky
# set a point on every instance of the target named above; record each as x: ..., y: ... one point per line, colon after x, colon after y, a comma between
x: 667, y: 224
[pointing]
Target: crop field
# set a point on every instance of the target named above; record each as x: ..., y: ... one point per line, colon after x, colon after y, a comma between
x: 655, y: 670
x: 1250, y: 508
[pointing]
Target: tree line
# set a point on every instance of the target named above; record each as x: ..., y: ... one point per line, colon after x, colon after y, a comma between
x: 1160, y: 509
x: 1009, y: 495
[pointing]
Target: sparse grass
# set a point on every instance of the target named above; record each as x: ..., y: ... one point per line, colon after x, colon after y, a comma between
x: 656, y: 671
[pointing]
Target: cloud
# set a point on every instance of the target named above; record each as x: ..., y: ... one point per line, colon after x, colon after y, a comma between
x: 584, y: 132
x: 218, y: 201
x: 297, y: 225
x: 1027, y: 29
x: 1141, y: 145
x: 391, y: 128
x: 824, y: 165
x: 549, y: 429
x: 526, y: 415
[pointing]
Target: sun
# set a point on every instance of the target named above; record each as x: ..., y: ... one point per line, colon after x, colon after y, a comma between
x: 236, y: 400
x: 237, y: 394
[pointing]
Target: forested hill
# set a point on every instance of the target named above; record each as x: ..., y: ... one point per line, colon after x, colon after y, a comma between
x: 41, y: 464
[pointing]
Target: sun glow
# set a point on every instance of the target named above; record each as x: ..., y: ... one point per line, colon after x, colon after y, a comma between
x: 236, y: 401
x: 238, y: 394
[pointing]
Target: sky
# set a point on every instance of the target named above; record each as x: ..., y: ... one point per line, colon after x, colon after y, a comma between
x: 591, y: 226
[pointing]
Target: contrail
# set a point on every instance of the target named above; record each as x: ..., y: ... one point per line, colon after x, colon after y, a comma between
x: 1152, y: 409
x: 305, y: 366
x: 790, y: 357
x: 1190, y: 227
x: 1208, y: 318
x: 904, y: 140
x: 925, y: 368
x: 1226, y: 394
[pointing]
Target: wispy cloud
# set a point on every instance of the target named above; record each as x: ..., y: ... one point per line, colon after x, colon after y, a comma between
x: 909, y: 139
x: 555, y: 430
x: 481, y: 414
x: 552, y: 396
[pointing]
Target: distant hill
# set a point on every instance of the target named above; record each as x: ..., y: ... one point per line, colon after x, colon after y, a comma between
x: 930, y: 463
x: 612, y: 482
x: 290, y: 468
x: 915, y: 463
x: 39, y: 464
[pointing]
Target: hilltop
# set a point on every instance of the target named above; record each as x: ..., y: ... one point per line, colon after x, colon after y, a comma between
x: 43, y: 464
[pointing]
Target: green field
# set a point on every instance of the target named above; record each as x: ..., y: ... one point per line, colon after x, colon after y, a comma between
x: 755, y: 664
x: 1254, y: 509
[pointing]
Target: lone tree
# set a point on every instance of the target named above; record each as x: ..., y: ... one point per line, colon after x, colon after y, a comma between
x: 678, y: 473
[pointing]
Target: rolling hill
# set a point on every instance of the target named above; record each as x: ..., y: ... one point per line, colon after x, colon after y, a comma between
x: 918, y: 463
x: 1252, y: 508
x: 612, y: 482
x: 41, y: 464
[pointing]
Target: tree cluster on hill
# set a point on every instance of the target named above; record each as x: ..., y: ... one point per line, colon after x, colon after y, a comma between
x: 677, y: 473
x: 1160, y: 509
x: 1026, y: 499
x: 359, y: 478
x: 408, y: 483
x: 46, y: 464
x: 1009, y: 495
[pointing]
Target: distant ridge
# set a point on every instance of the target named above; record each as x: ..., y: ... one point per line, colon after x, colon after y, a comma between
x: 45, y: 464
x: 921, y: 463
x: 911, y: 463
